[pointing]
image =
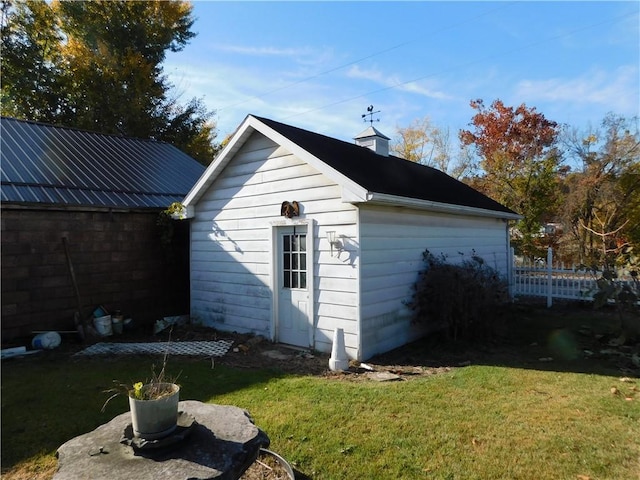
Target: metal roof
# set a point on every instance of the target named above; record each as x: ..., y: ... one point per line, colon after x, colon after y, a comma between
x: 47, y: 165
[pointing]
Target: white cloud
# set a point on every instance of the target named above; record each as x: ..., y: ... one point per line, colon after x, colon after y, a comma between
x: 264, y: 50
x: 616, y: 90
x: 235, y: 91
x: 421, y: 88
x: 317, y: 56
x: 418, y: 87
x: 357, y: 72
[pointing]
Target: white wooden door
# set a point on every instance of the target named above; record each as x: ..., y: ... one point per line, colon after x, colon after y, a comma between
x: 293, y: 286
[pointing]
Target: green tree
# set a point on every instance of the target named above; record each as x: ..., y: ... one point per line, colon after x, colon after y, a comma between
x: 104, y: 59
x: 520, y: 164
x: 31, y: 61
x: 188, y: 126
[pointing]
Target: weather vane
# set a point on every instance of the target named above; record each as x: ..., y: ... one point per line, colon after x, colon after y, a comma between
x: 370, y: 115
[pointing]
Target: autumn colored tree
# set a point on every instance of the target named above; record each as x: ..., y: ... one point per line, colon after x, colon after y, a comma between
x: 413, y: 140
x: 98, y: 66
x: 424, y: 143
x: 602, y: 207
x: 630, y: 187
x: 520, y: 165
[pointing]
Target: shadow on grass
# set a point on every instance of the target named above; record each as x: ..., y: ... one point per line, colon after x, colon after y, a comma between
x: 572, y: 337
x: 52, y: 397
x: 300, y: 476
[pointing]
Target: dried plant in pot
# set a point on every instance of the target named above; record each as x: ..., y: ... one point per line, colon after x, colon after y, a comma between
x: 269, y: 466
x: 154, y: 409
x: 153, y: 405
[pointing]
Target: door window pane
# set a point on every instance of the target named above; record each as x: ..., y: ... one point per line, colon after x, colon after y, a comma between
x: 294, y: 262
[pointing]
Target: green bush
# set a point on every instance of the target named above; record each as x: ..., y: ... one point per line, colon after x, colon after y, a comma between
x: 465, y: 299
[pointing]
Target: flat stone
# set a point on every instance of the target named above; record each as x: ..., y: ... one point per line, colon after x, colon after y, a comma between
x: 276, y: 355
x: 223, y: 444
x: 384, y: 376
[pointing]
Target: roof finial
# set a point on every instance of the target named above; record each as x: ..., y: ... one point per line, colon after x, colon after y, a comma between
x: 370, y: 115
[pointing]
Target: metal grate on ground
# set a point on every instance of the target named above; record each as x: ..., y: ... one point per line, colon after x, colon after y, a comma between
x: 216, y: 348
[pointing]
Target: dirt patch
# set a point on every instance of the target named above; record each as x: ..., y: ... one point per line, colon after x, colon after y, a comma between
x: 255, y: 352
x: 571, y: 338
x: 252, y: 352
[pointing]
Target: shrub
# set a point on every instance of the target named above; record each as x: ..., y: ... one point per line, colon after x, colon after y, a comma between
x: 463, y: 299
x: 625, y: 296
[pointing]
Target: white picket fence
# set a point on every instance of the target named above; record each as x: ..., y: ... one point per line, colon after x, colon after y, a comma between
x: 544, y: 279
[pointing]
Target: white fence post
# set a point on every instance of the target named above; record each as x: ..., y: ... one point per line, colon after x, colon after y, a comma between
x: 538, y: 280
x: 549, y: 277
x: 511, y: 274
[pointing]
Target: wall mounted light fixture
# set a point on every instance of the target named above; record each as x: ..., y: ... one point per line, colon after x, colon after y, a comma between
x: 331, y: 237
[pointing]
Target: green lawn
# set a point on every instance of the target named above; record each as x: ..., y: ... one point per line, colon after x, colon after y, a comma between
x: 475, y: 422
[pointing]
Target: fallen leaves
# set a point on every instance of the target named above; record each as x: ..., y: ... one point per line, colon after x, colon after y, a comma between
x: 631, y: 391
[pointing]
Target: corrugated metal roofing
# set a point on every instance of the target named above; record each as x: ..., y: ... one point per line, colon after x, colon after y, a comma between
x: 43, y: 164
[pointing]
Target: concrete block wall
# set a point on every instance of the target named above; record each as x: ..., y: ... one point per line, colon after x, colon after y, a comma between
x: 117, y: 258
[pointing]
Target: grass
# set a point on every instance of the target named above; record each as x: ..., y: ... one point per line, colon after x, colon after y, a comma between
x: 477, y: 422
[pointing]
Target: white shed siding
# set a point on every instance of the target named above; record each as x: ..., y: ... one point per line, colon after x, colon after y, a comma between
x: 392, y: 241
x: 231, y: 250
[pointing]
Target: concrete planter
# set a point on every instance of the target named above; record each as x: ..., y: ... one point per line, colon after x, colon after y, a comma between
x: 156, y: 418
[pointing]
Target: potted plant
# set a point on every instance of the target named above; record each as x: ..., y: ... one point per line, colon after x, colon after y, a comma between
x: 153, y: 405
x: 154, y: 409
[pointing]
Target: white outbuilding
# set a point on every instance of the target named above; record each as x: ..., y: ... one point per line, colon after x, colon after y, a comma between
x: 295, y: 234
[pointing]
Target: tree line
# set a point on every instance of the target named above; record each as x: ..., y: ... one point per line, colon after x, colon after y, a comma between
x: 577, y: 191
x: 98, y: 66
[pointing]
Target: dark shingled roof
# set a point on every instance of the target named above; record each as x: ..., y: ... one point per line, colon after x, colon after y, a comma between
x: 47, y: 165
x: 386, y: 174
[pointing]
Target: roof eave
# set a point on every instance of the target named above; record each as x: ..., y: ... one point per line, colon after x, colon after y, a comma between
x: 397, y: 201
x: 248, y: 126
x: 213, y: 170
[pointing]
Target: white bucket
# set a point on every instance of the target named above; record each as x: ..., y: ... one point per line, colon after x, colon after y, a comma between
x: 48, y: 340
x: 116, y: 325
x: 103, y: 325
